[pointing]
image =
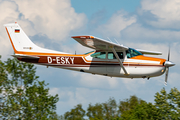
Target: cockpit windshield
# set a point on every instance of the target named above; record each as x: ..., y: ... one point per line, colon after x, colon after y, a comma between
x: 132, y: 53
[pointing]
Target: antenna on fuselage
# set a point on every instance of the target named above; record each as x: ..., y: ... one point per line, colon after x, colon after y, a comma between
x: 75, y: 52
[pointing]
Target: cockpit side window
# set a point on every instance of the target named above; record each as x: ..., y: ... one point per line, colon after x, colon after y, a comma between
x: 112, y: 56
x: 100, y: 55
x: 132, y: 53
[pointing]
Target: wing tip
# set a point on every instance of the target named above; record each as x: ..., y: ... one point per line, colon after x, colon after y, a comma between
x: 84, y: 37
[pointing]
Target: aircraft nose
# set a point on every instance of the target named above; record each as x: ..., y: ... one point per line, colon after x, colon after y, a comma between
x: 169, y: 64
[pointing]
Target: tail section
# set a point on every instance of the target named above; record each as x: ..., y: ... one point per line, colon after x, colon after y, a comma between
x: 21, y: 42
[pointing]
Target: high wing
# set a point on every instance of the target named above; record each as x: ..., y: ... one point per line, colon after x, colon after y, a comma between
x: 100, y: 44
x: 97, y: 43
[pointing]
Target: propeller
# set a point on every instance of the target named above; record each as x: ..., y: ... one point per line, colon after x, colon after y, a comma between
x: 166, y: 75
x: 168, y: 64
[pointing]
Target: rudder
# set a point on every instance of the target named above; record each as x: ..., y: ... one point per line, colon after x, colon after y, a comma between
x: 19, y: 40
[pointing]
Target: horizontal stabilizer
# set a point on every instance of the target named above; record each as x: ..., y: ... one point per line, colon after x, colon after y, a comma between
x: 25, y: 56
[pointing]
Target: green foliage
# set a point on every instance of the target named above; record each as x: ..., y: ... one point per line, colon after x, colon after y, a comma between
x: 75, y: 114
x: 135, y: 108
x: 20, y: 72
x: 166, y: 107
x: 95, y: 112
x: 22, y: 95
x: 104, y: 111
x: 109, y: 110
x: 143, y: 111
x: 129, y: 104
x: 168, y: 104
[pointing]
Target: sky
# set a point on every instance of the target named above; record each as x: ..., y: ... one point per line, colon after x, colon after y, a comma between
x: 142, y: 24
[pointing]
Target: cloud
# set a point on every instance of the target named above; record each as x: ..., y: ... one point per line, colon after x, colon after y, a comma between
x: 167, y: 12
x: 76, y: 47
x: 119, y: 21
x: 9, y: 13
x: 138, y: 33
x: 55, y: 18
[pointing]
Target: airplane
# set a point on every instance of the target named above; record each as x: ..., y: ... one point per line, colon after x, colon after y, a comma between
x: 108, y: 58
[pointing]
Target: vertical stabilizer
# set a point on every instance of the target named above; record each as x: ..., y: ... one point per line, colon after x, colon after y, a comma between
x: 21, y: 42
x: 19, y: 39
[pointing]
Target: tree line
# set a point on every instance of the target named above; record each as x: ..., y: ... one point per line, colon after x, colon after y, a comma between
x: 166, y: 107
x: 23, y: 96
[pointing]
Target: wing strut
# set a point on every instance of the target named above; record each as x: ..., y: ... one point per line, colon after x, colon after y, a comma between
x: 120, y: 62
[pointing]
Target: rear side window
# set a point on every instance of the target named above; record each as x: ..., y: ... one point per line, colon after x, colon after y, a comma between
x: 112, y: 56
x: 100, y: 55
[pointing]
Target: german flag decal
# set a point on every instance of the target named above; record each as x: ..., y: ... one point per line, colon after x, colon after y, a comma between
x: 17, y: 31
